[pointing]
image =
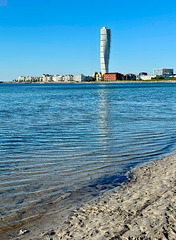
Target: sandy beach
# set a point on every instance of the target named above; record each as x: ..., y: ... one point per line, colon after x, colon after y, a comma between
x: 143, y: 208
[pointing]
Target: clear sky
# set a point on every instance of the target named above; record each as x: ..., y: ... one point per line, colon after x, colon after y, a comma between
x: 62, y: 37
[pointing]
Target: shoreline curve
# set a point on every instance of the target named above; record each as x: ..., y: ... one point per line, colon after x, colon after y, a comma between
x: 143, y: 208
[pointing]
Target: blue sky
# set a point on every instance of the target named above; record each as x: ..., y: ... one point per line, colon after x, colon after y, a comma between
x: 62, y: 37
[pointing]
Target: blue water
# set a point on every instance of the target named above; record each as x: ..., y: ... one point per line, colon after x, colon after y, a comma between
x: 58, y: 138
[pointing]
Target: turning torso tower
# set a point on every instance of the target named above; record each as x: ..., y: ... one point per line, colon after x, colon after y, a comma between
x: 105, y: 45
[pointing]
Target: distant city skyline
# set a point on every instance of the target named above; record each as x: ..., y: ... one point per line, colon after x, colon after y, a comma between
x: 63, y: 37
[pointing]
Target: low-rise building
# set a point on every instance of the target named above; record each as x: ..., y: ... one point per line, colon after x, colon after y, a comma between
x: 98, y: 76
x: 47, y: 78
x: 79, y: 78
x: 94, y: 75
x: 113, y: 76
x: 57, y: 78
x: 146, y: 77
x: 21, y: 79
x: 142, y: 73
x: 88, y: 79
x: 163, y: 71
x: 30, y: 79
x: 68, y: 78
x: 130, y: 76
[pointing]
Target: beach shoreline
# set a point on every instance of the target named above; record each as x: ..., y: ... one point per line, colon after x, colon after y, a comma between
x: 94, y: 82
x: 142, y: 208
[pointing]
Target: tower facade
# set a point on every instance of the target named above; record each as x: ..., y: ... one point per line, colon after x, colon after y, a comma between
x: 105, y: 45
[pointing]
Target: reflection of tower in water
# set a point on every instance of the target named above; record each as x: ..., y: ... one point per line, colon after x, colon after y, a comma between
x: 104, y: 118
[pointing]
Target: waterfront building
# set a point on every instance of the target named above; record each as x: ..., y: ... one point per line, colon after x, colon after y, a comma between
x: 98, y: 76
x: 79, y: 78
x: 29, y: 79
x: 94, y: 76
x: 88, y: 79
x: 113, y: 76
x: 57, y: 78
x: 47, y: 78
x: 146, y: 77
x: 142, y: 73
x: 163, y: 71
x: 130, y: 76
x: 21, y: 79
x: 35, y: 79
x: 105, y: 45
x: 68, y: 78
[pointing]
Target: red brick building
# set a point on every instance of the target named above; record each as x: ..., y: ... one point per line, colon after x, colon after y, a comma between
x: 113, y: 76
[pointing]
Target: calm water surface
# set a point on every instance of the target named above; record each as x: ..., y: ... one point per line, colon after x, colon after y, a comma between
x: 58, y: 138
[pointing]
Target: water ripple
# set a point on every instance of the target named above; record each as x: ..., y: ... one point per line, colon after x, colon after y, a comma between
x: 56, y: 139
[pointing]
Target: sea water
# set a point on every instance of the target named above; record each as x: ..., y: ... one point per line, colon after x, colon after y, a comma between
x: 58, y: 138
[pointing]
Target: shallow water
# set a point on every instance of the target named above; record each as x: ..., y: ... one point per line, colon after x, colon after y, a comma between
x: 59, y: 138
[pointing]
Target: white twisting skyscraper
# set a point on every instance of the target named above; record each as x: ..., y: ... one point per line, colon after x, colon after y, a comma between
x: 105, y: 46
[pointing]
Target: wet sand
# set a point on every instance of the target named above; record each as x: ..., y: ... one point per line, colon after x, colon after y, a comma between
x: 143, y: 208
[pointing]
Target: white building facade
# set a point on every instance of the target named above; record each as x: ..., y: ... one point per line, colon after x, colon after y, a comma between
x: 47, y: 78
x: 68, y: 78
x: 57, y: 78
x: 105, y: 45
x: 21, y: 78
x: 146, y: 77
x: 79, y: 78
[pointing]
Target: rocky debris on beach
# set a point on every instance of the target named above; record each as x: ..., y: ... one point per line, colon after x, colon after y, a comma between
x: 23, y: 231
x: 50, y: 233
